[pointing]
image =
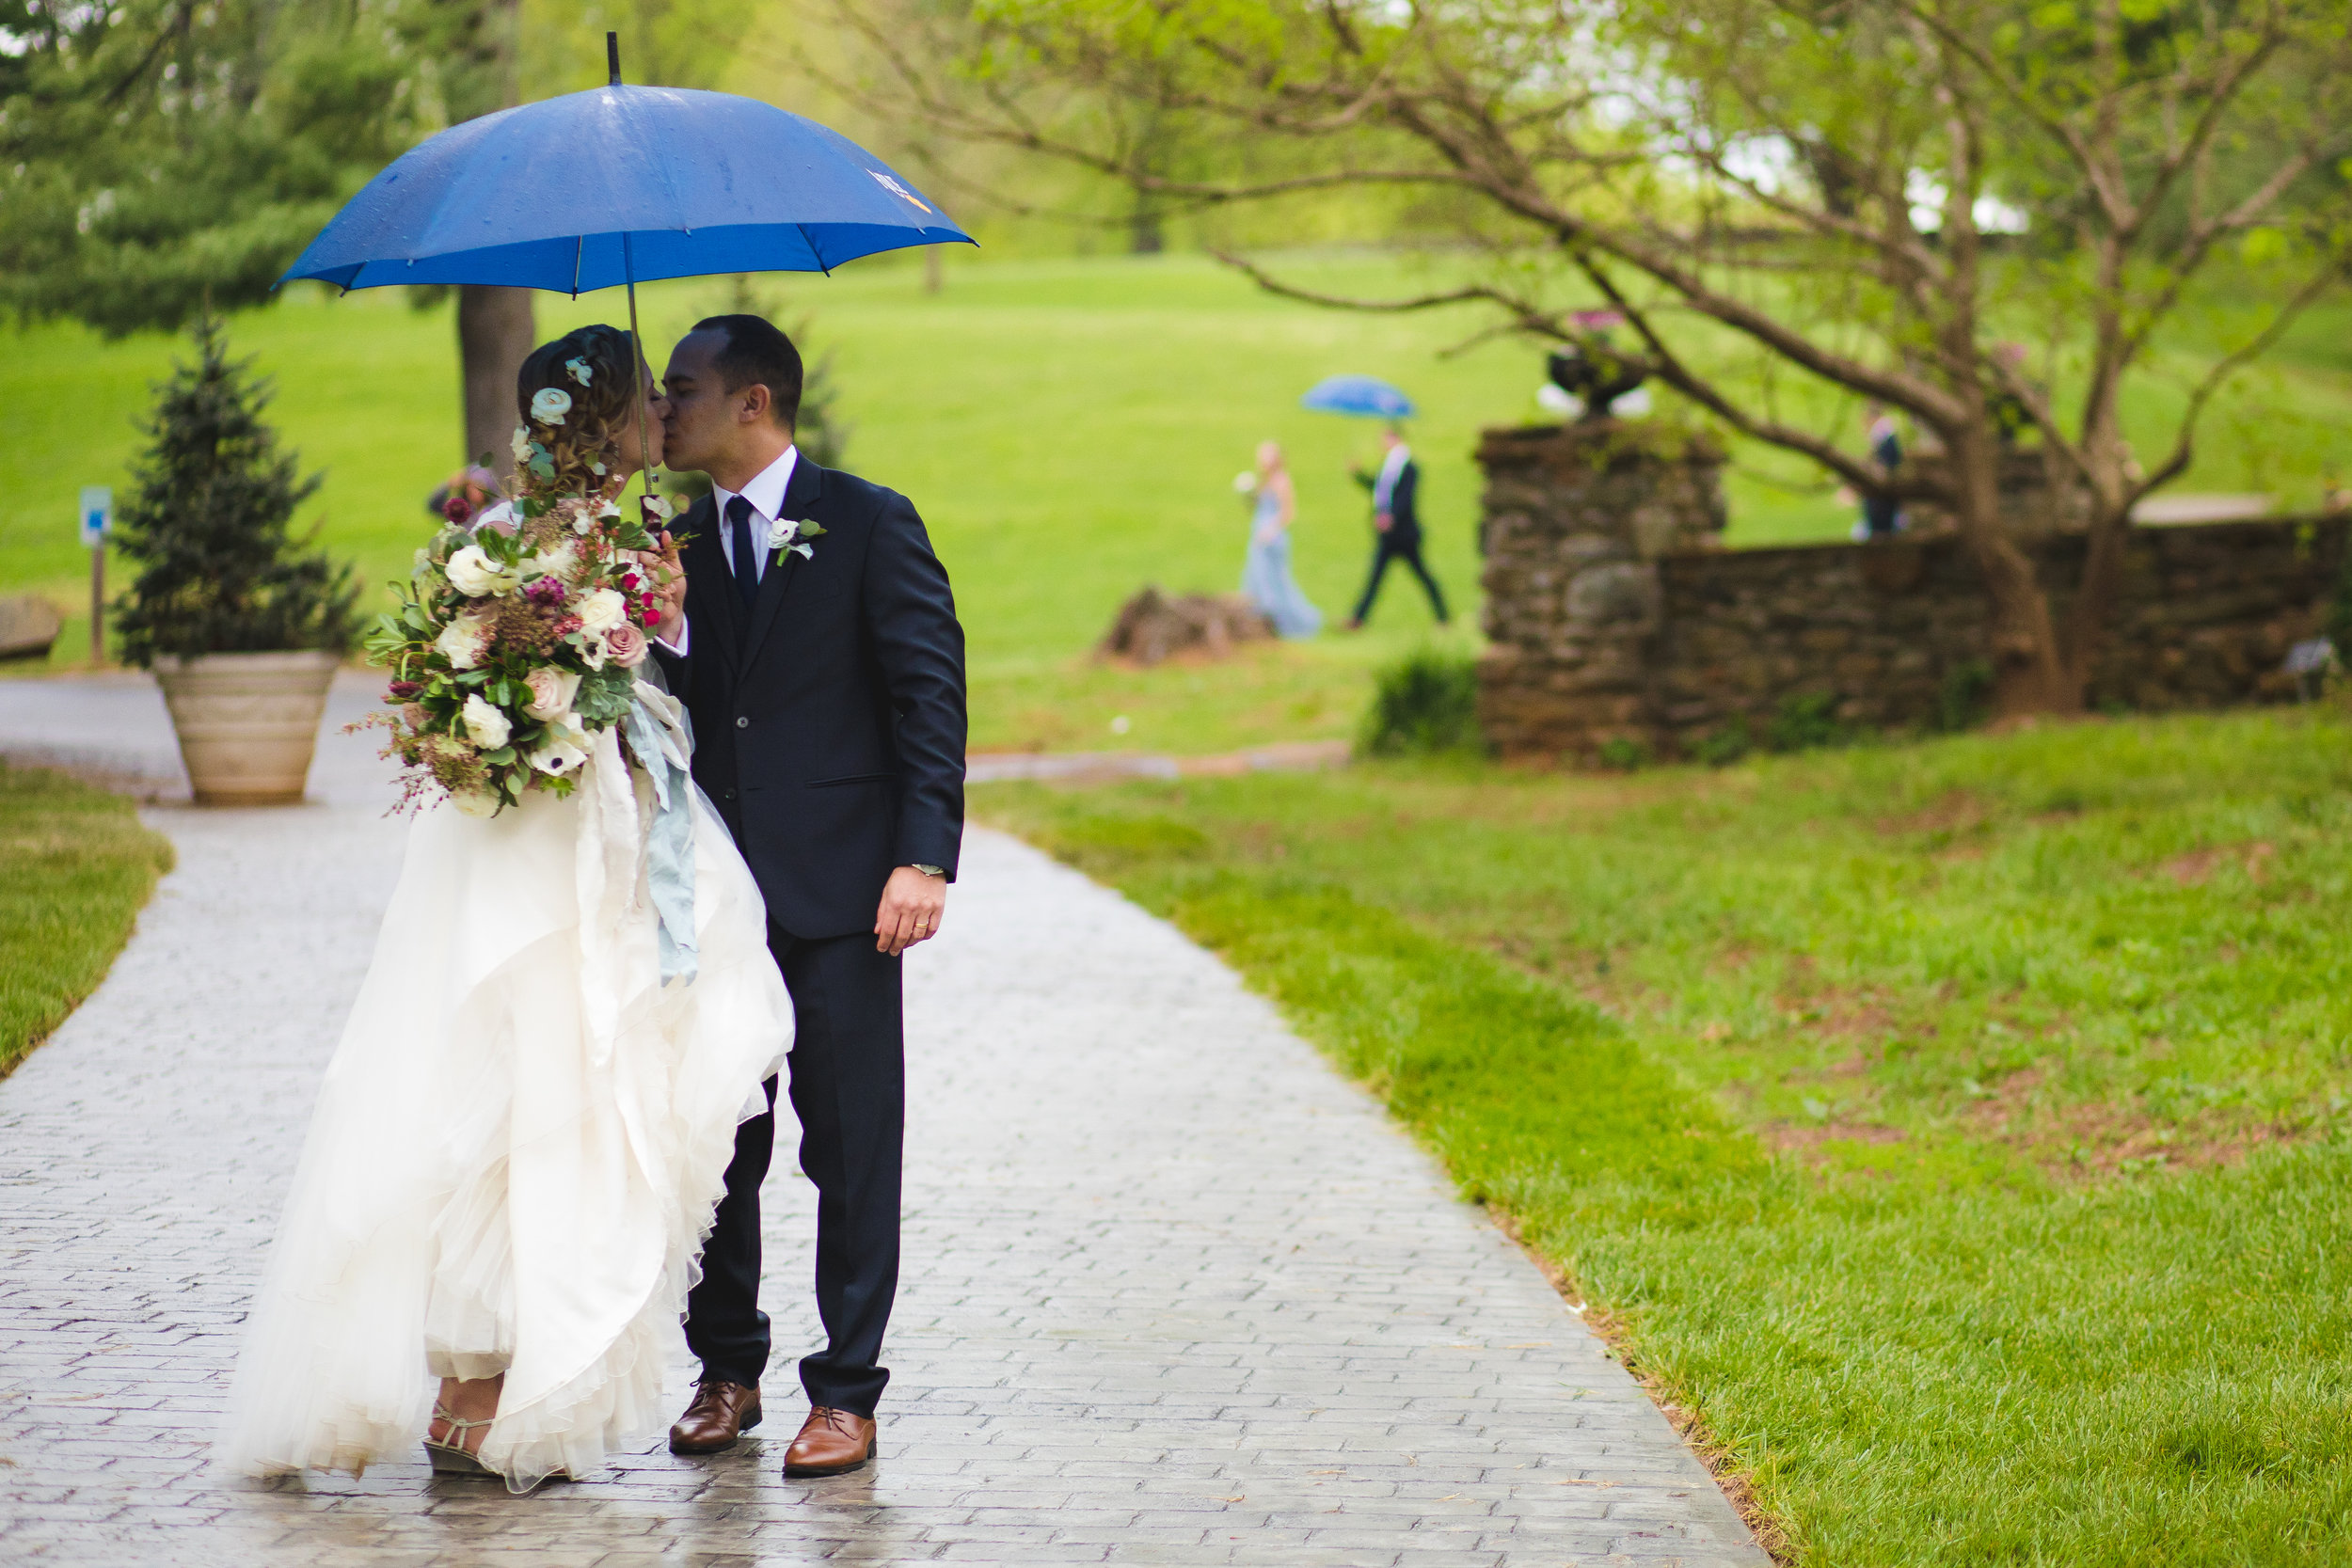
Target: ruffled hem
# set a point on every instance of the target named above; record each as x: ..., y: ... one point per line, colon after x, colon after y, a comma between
x: 515, y: 1162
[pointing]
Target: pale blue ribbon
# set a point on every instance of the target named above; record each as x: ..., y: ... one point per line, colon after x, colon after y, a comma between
x: 660, y: 749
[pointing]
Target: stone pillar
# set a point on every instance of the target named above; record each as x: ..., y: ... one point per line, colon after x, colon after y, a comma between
x: 1575, y: 520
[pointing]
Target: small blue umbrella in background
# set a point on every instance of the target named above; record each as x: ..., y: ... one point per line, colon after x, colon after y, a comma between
x: 1365, y: 396
x: 620, y: 184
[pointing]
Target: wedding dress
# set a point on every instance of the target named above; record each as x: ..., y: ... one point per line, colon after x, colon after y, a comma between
x: 520, y: 1141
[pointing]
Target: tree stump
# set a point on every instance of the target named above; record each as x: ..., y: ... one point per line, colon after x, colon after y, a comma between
x: 27, y: 627
x: 1152, y: 625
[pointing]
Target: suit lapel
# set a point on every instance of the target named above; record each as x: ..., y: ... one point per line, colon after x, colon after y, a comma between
x: 712, y: 608
x: 807, y: 484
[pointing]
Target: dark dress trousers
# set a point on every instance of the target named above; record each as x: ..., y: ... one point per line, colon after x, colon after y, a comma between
x: 1401, y: 541
x: 828, y: 731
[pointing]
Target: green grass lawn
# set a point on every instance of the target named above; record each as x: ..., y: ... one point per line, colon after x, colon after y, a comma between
x: 75, y: 869
x: 1961, y: 1128
x: 1070, y: 429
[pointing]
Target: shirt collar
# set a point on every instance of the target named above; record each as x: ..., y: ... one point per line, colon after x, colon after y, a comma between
x: 765, y: 489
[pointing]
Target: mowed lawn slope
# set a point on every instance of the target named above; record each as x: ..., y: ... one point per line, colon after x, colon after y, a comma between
x: 75, y: 869
x: 1963, y: 1130
x: 1070, y: 428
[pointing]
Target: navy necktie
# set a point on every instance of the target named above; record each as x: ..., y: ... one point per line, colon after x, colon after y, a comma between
x: 739, y: 541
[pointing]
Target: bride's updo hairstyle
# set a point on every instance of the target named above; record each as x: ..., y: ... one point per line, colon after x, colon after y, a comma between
x: 574, y: 395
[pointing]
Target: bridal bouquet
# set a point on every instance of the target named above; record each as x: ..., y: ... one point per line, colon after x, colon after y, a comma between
x: 515, y: 641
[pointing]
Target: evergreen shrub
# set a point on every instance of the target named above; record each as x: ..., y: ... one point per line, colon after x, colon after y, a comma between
x: 207, y: 527
x: 1426, y: 702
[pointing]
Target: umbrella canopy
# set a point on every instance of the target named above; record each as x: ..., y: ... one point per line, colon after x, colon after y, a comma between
x: 621, y: 185
x: 1366, y: 396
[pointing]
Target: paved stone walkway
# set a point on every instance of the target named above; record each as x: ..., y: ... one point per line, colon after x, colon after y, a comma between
x: 1174, y: 1292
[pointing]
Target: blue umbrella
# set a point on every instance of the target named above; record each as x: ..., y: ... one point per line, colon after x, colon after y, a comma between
x: 622, y: 185
x: 1367, y: 396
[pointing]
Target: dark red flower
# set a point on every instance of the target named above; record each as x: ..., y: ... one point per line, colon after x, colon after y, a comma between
x: 399, y: 691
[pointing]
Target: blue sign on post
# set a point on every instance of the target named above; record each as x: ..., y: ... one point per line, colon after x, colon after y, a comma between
x: 98, y: 513
x: 97, y: 520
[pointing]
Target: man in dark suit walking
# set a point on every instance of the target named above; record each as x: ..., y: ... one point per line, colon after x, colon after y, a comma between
x: 1396, y: 516
x: 819, y: 655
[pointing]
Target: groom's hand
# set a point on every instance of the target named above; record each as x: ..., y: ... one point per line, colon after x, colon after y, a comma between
x: 912, y: 903
x: 672, y: 590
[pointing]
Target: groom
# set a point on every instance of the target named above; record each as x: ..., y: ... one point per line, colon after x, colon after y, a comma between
x: 819, y: 655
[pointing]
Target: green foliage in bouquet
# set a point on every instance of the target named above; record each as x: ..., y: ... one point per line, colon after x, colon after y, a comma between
x: 207, y: 527
x: 516, y: 639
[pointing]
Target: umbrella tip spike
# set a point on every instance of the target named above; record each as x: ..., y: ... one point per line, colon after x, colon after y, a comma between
x: 613, y: 57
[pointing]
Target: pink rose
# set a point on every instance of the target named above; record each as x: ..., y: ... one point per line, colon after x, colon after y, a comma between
x: 551, y: 692
x: 624, y: 645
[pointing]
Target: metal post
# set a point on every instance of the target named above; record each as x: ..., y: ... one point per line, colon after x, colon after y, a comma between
x: 98, y: 604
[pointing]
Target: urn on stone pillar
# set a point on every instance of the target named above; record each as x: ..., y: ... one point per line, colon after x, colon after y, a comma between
x: 1574, y: 519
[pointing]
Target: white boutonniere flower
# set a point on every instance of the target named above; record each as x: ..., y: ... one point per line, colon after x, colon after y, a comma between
x: 784, y: 537
x: 549, y: 404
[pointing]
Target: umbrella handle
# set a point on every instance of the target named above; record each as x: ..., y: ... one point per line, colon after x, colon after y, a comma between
x: 628, y: 276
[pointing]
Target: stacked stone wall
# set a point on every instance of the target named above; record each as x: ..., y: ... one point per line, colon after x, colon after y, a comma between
x: 1611, y: 616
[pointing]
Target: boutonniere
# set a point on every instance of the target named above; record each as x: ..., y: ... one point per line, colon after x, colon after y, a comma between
x: 792, y: 534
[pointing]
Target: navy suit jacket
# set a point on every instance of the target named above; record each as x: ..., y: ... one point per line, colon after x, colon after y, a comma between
x: 829, y: 723
x: 1403, y: 502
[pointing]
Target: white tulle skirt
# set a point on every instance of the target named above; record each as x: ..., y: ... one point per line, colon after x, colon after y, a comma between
x: 518, y: 1146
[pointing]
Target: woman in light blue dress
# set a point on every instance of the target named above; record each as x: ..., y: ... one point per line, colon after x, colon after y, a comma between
x: 1267, y: 579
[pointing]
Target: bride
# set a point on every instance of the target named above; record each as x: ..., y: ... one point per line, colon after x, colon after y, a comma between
x: 521, y: 1138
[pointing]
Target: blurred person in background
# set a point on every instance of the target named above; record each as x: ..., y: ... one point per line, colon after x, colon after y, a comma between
x: 1266, y: 579
x: 1396, y: 516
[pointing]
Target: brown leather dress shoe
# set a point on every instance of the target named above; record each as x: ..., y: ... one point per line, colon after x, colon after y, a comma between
x: 832, y: 1443
x: 722, y: 1412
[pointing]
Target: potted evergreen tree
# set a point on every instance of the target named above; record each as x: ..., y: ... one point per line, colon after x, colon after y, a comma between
x: 242, y: 623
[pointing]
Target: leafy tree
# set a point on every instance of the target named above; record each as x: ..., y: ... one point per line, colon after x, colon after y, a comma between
x: 207, y: 526
x: 1884, y: 197
x: 157, y: 153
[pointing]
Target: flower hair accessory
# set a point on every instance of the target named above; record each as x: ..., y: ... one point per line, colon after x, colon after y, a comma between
x: 579, y: 371
x: 549, y: 404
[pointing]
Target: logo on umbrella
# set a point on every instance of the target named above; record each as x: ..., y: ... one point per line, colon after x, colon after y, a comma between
x: 894, y: 188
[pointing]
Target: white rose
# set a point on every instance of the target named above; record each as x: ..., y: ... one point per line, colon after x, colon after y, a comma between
x: 580, y: 371
x: 487, y: 726
x: 464, y: 641
x: 602, y: 608
x: 476, y: 802
x: 551, y: 692
x: 782, y: 532
x: 523, y: 445
x: 472, y: 573
x: 549, y: 404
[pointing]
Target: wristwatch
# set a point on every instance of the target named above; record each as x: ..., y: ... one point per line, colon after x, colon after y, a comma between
x: 931, y: 870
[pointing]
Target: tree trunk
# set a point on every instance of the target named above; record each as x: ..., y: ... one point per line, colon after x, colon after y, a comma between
x: 2029, y: 675
x: 2095, y: 596
x: 495, y: 331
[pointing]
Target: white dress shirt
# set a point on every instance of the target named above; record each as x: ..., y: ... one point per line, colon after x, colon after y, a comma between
x: 765, y: 491
x: 1392, y: 469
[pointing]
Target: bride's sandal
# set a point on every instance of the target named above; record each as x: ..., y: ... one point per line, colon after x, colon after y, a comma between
x: 450, y: 1458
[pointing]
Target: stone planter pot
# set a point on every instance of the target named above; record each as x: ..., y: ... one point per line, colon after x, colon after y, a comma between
x: 248, y: 723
